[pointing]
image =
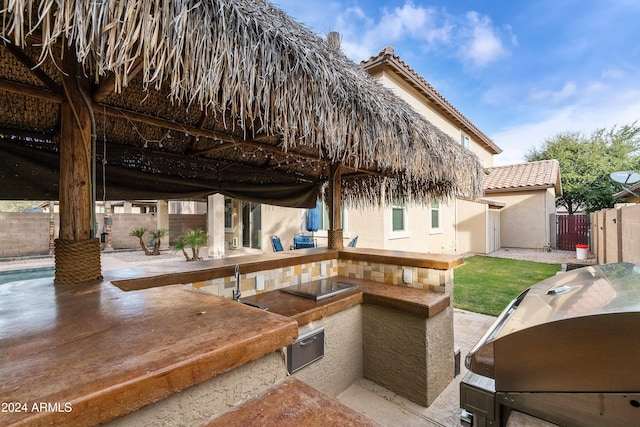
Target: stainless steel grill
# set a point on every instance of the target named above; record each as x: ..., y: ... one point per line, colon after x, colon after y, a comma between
x: 566, y: 351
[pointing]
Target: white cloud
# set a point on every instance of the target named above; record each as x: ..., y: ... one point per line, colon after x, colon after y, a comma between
x: 481, y: 44
x: 608, y: 109
x: 613, y: 73
x: 567, y: 91
x: 363, y: 36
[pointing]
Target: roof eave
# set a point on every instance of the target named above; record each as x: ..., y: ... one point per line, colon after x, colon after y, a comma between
x: 390, y: 60
x: 520, y: 189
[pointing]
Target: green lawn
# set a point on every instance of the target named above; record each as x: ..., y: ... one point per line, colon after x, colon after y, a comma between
x: 487, y: 284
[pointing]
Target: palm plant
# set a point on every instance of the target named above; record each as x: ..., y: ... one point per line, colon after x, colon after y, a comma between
x: 194, y: 239
x: 156, y: 236
x: 139, y: 233
x: 180, y: 245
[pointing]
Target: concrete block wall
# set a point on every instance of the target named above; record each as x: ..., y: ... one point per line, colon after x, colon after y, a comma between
x: 123, y: 223
x: 24, y: 233
x: 27, y: 233
x: 181, y: 224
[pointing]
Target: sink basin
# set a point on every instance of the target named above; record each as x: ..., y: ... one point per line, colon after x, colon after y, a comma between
x: 254, y: 304
x: 320, y: 289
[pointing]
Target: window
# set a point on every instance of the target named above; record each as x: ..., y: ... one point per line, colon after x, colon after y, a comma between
x: 435, y: 216
x: 399, y: 225
x: 465, y: 141
x: 228, y: 214
x: 251, y: 225
x: 397, y: 217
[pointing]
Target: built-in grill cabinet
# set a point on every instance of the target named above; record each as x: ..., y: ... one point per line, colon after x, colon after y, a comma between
x: 567, y: 351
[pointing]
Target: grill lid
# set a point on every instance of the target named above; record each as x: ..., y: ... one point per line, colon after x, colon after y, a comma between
x: 576, y: 331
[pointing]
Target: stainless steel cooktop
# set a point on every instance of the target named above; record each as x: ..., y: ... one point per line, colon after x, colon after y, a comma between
x: 320, y: 289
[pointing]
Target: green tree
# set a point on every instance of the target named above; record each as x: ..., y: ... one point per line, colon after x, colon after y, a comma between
x: 586, y: 163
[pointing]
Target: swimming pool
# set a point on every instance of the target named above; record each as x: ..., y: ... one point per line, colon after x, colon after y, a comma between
x: 26, y: 274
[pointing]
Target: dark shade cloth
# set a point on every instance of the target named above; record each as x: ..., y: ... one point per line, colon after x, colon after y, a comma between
x: 29, y: 170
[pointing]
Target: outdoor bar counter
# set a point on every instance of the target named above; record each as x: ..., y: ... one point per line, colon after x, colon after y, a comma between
x: 91, y: 353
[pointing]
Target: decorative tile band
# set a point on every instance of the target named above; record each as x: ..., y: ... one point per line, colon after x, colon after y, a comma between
x: 273, y: 279
x: 421, y: 278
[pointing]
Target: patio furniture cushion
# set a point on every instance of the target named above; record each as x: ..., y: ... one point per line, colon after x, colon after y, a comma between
x: 301, y: 241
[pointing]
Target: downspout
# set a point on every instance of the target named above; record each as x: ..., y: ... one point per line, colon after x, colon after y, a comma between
x: 455, y: 230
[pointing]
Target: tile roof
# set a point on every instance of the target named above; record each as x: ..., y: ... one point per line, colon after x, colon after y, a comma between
x: 388, y: 57
x: 524, y: 176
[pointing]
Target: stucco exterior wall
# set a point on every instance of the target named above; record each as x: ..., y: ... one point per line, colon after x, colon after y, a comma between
x: 418, y: 102
x: 283, y: 222
x: 275, y: 221
x: 536, y: 206
x: 472, y: 227
x: 370, y: 227
x: 374, y: 229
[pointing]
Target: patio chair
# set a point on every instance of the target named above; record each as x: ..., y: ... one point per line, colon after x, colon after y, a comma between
x: 353, y: 242
x: 276, y: 244
x: 301, y: 241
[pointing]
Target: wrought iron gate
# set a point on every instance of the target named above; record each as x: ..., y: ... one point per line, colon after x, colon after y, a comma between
x: 572, y: 230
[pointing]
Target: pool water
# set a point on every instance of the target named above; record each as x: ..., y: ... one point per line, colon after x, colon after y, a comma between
x: 26, y: 274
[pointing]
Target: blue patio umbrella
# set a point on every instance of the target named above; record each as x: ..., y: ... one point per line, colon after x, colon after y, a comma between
x: 313, y: 217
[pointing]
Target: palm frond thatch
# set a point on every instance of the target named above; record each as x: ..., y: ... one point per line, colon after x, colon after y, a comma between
x: 258, y: 76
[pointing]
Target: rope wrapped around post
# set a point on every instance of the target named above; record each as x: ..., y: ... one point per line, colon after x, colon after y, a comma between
x: 335, y: 239
x: 77, y: 261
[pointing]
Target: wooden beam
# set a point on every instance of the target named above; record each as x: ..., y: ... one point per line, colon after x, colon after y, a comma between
x: 107, y: 87
x: 30, y: 91
x: 135, y: 116
x: 335, y: 204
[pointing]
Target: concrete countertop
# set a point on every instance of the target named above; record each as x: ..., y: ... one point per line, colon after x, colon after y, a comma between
x: 91, y: 353
x: 292, y: 403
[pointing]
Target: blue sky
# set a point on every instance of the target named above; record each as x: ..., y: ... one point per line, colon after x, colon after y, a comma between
x: 522, y: 71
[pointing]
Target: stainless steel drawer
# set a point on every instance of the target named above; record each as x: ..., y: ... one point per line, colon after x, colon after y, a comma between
x: 308, y: 348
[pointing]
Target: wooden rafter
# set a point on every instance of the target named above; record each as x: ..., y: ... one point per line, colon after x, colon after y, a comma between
x: 28, y: 62
x: 107, y: 87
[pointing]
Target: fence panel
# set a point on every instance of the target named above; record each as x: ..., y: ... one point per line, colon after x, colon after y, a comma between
x: 572, y: 230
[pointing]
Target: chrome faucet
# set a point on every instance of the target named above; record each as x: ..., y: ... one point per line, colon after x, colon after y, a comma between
x: 236, y: 292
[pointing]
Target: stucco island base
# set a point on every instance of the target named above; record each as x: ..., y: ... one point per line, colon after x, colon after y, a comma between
x: 410, y: 355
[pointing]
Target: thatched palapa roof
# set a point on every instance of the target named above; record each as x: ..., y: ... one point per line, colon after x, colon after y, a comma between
x: 192, y: 98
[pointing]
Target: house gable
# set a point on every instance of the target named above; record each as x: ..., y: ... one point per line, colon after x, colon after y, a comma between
x: 387, y: 63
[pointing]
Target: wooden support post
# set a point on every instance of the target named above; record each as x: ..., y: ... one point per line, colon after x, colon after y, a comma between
x: 75, y: 250
x: 335, y: 204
